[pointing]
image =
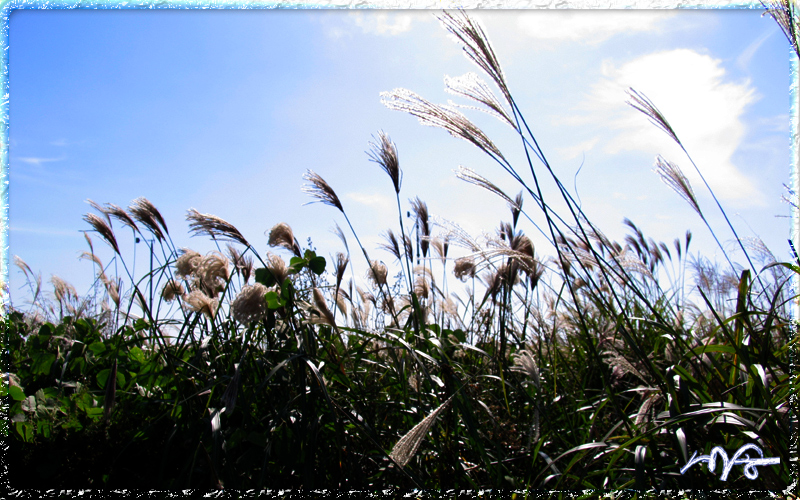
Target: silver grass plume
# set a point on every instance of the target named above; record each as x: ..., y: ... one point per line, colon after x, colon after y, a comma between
x: 277, y: 267
x: 524, y: 362
x: 250, y: 305
x: 464, y: 268
x: 213, y: 226
x: 325, y: 314
x: 408, y: 445
x: 784, y: 12
x: 146, y: 213
x: 320, y: 190
x: 171, y: 290
x: 121, y: 215
x: 338, y: 232
x: 439, y: 116
x: 673, y: 177
x: 420, y: 208
x: 474, y: 88
x: 242, y: 263
x: 476, y: 47
x: 384, y: 153
x: 281, y: 235
x: 62, y: 289
x: 392, y: 244
x: 341, y: 264
x: 187, y: 263
x: 103, y: 228
x: 641, y: 103
x: 469, y: 175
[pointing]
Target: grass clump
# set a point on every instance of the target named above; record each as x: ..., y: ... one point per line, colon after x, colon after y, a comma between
x: 603, y: 366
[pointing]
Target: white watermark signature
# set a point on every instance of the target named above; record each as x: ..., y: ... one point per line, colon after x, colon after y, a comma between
x: 750, y: 464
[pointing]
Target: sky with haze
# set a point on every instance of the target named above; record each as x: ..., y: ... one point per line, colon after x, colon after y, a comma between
x: 223, y: 111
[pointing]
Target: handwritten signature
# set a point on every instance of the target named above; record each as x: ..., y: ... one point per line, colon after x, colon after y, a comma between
x: 750, y: 464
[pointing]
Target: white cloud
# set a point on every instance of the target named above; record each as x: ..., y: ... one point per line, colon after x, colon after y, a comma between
x: 379, y: 202
x: 747, y: 54
x: 705, y: 110
x: 37, y: 161
x: 385, y: 23
x: 578, y: 149
x: 591, y: 27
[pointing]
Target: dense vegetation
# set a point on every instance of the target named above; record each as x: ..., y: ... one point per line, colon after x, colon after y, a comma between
x: 604, y: 366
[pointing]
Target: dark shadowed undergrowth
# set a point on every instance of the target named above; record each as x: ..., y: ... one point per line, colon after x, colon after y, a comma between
x: 591, y: 364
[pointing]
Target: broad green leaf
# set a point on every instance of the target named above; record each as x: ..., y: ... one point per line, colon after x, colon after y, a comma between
x: 136, y: 354
x: 16, y: 393
x: 102, y: 377
x: 41, y: 362
x: 97, y: 348
x: 317, y: 265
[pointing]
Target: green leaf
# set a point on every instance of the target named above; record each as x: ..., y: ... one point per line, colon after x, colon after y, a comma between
x: 317, y: 265
x: 94, y: 413
x: 459, y: 334
x: 97, y: 348
x: 264, y: 277
x: 275, y: 301
x: 296, y: 265
x: 698, y: 351
x: 102, y: 377
x: 136, y: 354
x: 25, y: 429
x: 42, y: 361
x: 16, y: 393
x: 140, y: 324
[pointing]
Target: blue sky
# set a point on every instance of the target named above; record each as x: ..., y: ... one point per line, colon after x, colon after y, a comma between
x: 223, y: 111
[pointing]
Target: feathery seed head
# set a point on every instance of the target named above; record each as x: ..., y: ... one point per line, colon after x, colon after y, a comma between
x: 439, y: 116
x: 197, y: 301
x: 407, y: 446
x: 469, y: 175
x: 171, y: 290
x: 320, y: 190
x: 341, y: 264
x: 146, y: 213
x: 213, y: 273
x: 281, y: 235
x: 213, y: 226
x: 476, y: 47
x: 377, y: 273
x: 250, y: 305
x: 524, y: 362
x: 102, y: 227
x: 63, y: 290
x: 187, y: 263
x: 392, y: 245
x: 384, y: 153
x: 277, y: 267
x: 640, y: 102
x: 121, y: 215
x: 464, y: 268
x: 472, y: 87
x: 325, y: 314
x: 673, y: 177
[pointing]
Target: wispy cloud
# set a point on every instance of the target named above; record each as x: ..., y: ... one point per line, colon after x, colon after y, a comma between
x: 379, y: 202
x: 591, y: 27
x: 382, y: 23
x: 43, y: 231
x: 747, y: 54
x: 32, y: 160
x: 578, y: 149
x: 703, y: 106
